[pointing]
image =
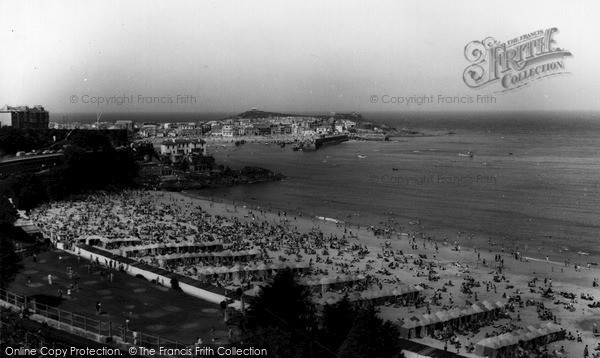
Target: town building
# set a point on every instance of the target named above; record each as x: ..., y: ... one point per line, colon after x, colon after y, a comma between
x: 227, y: 131
x: 124, y: 124
x: 148, y: 130
x: 190, y: 129
x: 263, y: 129
x: 24, y: 117
x: 178, y: 148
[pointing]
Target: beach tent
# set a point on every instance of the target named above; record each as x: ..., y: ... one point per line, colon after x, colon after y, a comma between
x: 528, y: 337
x: 442, y: 319
x: 407, y: 330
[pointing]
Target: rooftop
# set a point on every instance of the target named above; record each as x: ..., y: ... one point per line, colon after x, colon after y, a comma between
x: 183, y: 141
x: 36, y: 108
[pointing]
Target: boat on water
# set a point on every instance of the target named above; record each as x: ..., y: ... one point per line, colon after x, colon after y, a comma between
x: 362, y: 156
x: 395, y: 169
x: 304, y: 146
x: 583, y: 253
x: 467, y: 154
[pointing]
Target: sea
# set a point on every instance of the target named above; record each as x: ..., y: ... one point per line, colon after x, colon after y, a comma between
x: 532, y: 184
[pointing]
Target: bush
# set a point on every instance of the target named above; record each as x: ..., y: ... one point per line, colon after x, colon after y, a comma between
x: 175, y: 284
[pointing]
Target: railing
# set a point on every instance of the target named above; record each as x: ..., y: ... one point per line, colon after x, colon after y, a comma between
x: 82, y: 325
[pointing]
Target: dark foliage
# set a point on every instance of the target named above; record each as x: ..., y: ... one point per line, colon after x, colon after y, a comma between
x: 13, y: 140
x: 9, y: 259
x: 370, y: 336
x: 337, y: 322
x: 284, y: 303
x: 205, y: 161
x: 283, y: 319
x: 175, y: 284
x: 143, y: 151
x: 8, y: 213
x: 90, y: 163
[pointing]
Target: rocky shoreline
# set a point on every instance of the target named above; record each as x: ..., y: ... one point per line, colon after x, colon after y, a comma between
x: 219, y: 179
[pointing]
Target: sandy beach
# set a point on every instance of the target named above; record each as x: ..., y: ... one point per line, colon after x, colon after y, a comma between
x: 454, y: 266
x: 391, y: 259
x: 518, y: 274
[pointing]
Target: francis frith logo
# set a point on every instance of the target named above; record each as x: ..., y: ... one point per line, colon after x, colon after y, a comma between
x: 514, y: 63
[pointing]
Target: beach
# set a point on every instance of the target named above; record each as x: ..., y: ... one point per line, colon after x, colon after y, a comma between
x: 390, y: 260
x: 518, y: 274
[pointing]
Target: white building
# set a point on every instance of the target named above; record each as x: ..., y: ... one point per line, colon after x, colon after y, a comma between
x: 177, y: 148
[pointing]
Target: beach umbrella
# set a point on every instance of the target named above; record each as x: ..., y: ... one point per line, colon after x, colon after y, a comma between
x: 488, y: 306
x: 262, y: 267
x: 429, y: 319
x: 442, y: 316
x: 476, y: 309
x: 220, y: 270
x: 236, y: 267
x: 454, y: 314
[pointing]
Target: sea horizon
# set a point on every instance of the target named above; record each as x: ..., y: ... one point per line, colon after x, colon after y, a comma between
x: 409, y: 119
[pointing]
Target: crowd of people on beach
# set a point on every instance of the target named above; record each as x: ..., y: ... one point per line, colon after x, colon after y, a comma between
x: 134, y: 214
x: 170, y: 219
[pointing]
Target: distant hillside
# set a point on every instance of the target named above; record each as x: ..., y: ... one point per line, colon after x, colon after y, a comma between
x: 254, y: 114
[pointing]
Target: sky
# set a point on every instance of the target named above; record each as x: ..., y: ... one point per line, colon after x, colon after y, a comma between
x: 305, y: 56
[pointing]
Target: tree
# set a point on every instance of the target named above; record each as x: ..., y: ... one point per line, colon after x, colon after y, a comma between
x: 8, y: 213
x: 282, y: 343
x: 206, y: 162
x: 143, y: 149
x: 284, y: 303
x: 90, y: 140
x: 183, y: 164
x: 32, y: 192
x: 370, y: 336
x: 9, y: 261
x: 165, y: 159
x: 336, y: 323
x: 282, y: 319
